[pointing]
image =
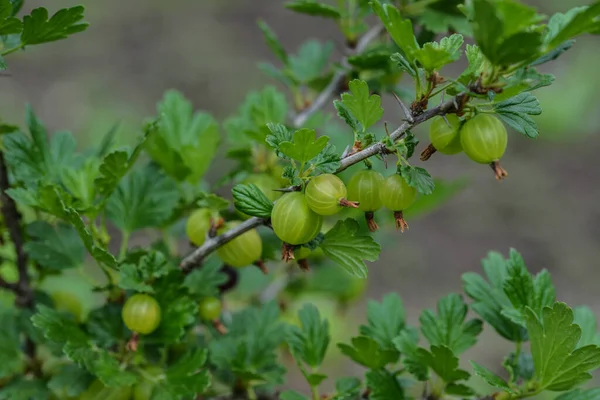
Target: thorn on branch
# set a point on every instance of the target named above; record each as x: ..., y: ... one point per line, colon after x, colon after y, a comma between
x: 405, y: 109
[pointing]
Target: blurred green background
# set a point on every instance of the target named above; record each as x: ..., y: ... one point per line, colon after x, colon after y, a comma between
x: 547, y: 209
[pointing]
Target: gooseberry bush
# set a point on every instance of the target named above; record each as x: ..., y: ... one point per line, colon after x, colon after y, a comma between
x: 241, y: 275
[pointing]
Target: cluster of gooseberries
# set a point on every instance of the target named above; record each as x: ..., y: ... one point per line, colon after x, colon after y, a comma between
x: 483, y: 138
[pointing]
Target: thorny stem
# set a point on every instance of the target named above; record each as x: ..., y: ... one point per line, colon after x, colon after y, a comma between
x: 12, y: 220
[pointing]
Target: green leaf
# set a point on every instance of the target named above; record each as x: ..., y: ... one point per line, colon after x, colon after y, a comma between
x: 580, y: 394
x: 384, y: 385
x: 105, y: 325
x: 8, y: 23
x: 516, y: 112
x: 139, y: 277
x: 205, y: 281
x: 25, y: 389
x: 449, y: 328
x: 250, y: 200
x: 371, y: 59
x: 364, y: 107
x: 305, y: 145
x: 576, y: 21
x: 490, y: 299
x: 475, y: 67
x: 348, y: 248
x: 63, y: 331
x: 347, y: 388
x: 145, y: 198
x: 70, y: 380
x: 385, y: 320
x: 311, y: 60
x: 115, y: 166
x: 404, y: 64
x: 443, y: 22
x: 554, y: 54
x: 37, y: 28
x: 309, y: 343
x: 366, y: 351
x: 279, y: 134
x: 186, y: 378
x: 327, y: 161
x: 79, y: 183
x: 400, y: 29
x: 182, y: 142
x: 418, y: 178
x: 520, y: 367
x: 344, y: 113
x: 212, y: 201
x: 490, y: 377
x: 54, y: 247
x: 273, y: 42
x: 10, y: 344
x: 291, y: 395
x: 314, y: 8
x: 435, y: 55
x: 559, y: 365
x: 585, y: 318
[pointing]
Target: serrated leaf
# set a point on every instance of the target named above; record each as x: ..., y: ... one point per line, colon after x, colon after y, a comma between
x: 11, y: 356
x: 291, y: 395
x: 183, y: 142
x: 554, y: 54
x: 347, y: 388
x: 490, y: 377
x: 70, y: 380
x: 580, y: 394
x: 400, y: 29
x: 54, y: 247
x: 403, y: 64
x: 344, y: 113
x: 273, y: 42
x: 418, y: 178
x: 105, y: 325
x: 371, y: 60
x: 205, y: 281
x: 310, y: 61
x: 475, y: 67
x: 559, y: 365
x: 8, y: 23
x: 434, y: 55
x: 25, y: 389
x: 139, y: 277
x: 250, y: 200
x: 305, y: 145
x: 212, y: 201
x: 37, y: 28
x: 516, y: 113
x: 314, y: 8
x: 386, y: 320
x: 186, y: 378
x: 384, y: 385
x: 449, y: 328
x: 309, y: 343
x: 279, y: 134
x: 145, y: 198
x: 366, y: 108
x: 348, y: 248
x: 576, y: 21
x: 327, y: 161
x: 366, y: 351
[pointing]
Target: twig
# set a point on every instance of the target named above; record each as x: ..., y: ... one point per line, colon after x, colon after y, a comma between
x: 6, y: 285
x: 333, y: 86
x: 12, y: 220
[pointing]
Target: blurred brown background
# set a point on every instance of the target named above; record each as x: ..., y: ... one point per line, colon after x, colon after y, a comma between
x: 547, y: 209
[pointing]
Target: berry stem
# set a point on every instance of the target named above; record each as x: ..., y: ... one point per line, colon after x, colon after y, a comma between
x: 498, y: 170
x: 400, y: 221
x: 348, y: 203
x: 428, y: 152
x: 261, y: 265
x: 219, y: 327
x: 370, y: 217
x: 303, y: 264
x: 132, y: 344
x: 287, y: 252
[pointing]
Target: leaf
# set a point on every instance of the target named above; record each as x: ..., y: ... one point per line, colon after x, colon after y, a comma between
x: 37, y: 28
x: 70, y: 380
x: 182, y: 142
x: 309, y: 343
x: 434, y: 55
x: 311, y: 60
x: 404, y: 64
x: 371, y: 59
x: 490, y: 299
x: 520, y: 367
x: 8, y: 23
x: 348, y: 248
x: 139, y: 277
x: 54, y: 247
x: 273, y: 42
x: 475, y: 67
x: 186, y: 378
x: 25, y: 389
x: 490, y: 377
x: 212, y: 201
x: 449, y: 328
x: 327, y: 161
x: 386, y: 320
x: 314, y: 8
x: 585, y: 318
x: 145, y: 198
x: 10, y: 344
x: 400, y: 29
x: 344, y: 113
x: 366, y: 351
x: 580, y: 394
x: 364, y: 107
x: 279, y: 134
x: 205, y: 281
x: 105, y: 325
x: 554, y: 54
x: 443, y: 21
x: 291, y: 395
x: 559, y: 366
x: 418, y: 178
x: 305, y: 145
x: 576, y: 21
x: 384, y: 385
x: 516, y: 112
x: 250, y: 200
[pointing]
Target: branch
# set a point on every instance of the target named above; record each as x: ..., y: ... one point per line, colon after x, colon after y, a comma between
x: 338, y: 78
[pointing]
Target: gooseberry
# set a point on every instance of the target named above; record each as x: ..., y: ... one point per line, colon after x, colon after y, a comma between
x: 141, y: 313
x: 210, y: 308
x: 243, y: 250
x: 68, y: 302
x: 445, y: 138
x: 397, y: 195
x: 198, y: 225
x: 364, y: 187
x: 484, y: 140
x: 293, y: 221
x: 326, y: 195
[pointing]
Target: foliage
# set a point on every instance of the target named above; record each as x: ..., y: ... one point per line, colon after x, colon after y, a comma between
x: 60, y: 204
